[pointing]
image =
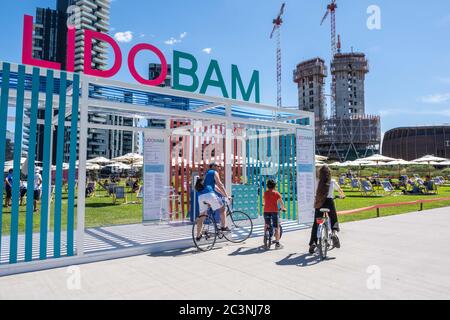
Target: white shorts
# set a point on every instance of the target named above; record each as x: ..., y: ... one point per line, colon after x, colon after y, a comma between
x: 212, y: 200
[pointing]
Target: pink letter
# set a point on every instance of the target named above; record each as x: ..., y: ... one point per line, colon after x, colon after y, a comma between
x: 88, y: 36
x: 27, y: 47
x: 70, y: 59
x: 132, y: 56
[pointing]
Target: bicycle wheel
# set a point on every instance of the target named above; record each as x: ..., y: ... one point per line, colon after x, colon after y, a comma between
x: 241, y: 227
x: 208, y: 233
x: 323, y: 243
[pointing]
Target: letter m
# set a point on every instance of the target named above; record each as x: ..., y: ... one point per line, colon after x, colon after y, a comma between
x: 236, y: 81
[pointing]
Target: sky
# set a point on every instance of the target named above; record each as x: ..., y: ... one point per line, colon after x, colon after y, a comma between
x: 409, y: 56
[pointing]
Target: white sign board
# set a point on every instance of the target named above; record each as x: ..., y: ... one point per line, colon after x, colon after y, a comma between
x: 156, y: 148
x: 306, y: 175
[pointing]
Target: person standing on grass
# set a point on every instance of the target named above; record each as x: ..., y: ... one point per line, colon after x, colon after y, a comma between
x: 37, y: 188
x: 8, y: 188
x: 325, y: 200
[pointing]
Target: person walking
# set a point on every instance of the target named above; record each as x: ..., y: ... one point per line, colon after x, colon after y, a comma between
x: 325, y: 200
x: 37, y: 188
x: 8, y: 188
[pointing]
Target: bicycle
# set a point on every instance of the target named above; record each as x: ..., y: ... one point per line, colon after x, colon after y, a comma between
x: 268, y: 234
x: 239, y: 223
x: 325, y: 234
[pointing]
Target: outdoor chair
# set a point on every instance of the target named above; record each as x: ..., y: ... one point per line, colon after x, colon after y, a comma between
x: 387, y: 187
x: 356, y: 184
x: 342, y: 181
x: 367, y: 188
x: 140, y: 194
x: 90, y: 192
x: 430, y: 187
x: 119, y: 194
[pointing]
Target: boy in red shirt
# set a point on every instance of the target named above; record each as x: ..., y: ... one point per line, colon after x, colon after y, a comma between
x: 271, y: 200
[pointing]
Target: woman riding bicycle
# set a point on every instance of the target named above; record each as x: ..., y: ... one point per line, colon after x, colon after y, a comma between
x: 325, y: 200
x: 208, y: 198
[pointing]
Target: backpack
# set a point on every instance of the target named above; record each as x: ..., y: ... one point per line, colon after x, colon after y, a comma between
x: 199, y: 185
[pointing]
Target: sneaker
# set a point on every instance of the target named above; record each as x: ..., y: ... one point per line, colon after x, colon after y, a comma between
x: 312, y: 249
x: 198, y: 238
x: 225, y: 229
x: 277, y: 245
x: 336, y: 242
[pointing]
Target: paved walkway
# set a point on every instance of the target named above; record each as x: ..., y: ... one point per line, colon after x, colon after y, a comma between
x: 411, y: 254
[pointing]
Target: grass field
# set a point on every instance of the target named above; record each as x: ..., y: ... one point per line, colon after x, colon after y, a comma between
x: 100, y: 210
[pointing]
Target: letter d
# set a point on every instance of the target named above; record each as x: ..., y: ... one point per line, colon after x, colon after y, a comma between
x: 88, y: 36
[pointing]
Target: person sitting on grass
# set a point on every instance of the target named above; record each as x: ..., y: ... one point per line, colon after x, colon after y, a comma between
x: 8, y: 188
x: 272, y: 199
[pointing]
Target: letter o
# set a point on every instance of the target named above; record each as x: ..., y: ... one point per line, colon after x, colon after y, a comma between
x: 131, y: 59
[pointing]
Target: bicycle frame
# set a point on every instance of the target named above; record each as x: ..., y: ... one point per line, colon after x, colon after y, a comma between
x: 321, y: 222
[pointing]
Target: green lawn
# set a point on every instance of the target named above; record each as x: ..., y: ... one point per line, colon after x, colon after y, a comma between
x: 100, y: 210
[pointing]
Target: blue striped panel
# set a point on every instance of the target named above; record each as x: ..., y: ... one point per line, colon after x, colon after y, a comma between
x: 289, y: 177
x: 3, y: 122
x: 59, y: 166
x: 72, y: 165
x: 16, y: 174
x: 31, y: 159
x: 46, y: 183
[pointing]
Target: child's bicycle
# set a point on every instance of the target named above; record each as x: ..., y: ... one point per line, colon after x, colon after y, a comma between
x: 269, y: 233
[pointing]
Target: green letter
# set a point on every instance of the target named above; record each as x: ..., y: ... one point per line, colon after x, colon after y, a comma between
x: 219, y: 83
x: 236, y: 80
x: 177, y: 70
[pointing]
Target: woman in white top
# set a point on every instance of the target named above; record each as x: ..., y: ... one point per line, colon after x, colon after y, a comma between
x: 325, y: 200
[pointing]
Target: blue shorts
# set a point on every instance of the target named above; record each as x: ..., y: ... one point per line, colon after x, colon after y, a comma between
x: 272, y: 219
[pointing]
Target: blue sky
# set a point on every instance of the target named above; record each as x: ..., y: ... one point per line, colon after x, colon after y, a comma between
x: 409, y: 79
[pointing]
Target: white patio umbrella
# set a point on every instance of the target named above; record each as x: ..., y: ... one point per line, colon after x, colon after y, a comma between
x: 118, y: 165
x: 93, y: 167
x: 430, y: 160
x: 99, y: 160
x: 399, y: 163
x: 129, y: 158
x: 320, y: 158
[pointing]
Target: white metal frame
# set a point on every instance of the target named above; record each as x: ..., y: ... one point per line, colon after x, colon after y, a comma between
x: 278, y: 122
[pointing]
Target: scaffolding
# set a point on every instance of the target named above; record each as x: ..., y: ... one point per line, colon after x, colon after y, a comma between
x: 348, y: 139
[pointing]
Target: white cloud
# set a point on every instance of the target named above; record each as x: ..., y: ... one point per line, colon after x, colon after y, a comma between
x: 172, y: 41
x: 142, y: 35
x: 183, y: 35
x: 402, y: 112
x: 125, y: 37
x: 436, y: 98
x: 207, y: 50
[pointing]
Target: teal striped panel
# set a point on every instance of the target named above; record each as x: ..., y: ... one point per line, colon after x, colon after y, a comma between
x: 46, y: 183
x: 59, y: 166
x: 31, y: 159
x: 3, y: 121
x: 16, y: 174
x: 72, y: 165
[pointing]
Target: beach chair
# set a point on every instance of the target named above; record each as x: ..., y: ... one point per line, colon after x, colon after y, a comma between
x: 342, y: 181
x: 140, y: 194
x: 367, y: 188
x: 91, y: 186
x: 356, y: 184
x: 387, y: 187
x: 119, y: 194
x: 430, y: 188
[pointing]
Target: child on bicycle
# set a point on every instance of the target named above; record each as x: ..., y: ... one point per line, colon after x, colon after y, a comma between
x: 272, y: 199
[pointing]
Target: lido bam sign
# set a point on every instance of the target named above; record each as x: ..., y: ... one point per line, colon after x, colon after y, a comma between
x: 213, y: 76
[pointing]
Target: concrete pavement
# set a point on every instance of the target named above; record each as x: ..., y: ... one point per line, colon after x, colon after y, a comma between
x: 397, y: 257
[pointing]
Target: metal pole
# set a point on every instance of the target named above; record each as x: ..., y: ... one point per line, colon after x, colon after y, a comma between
x: 84, y: 111
x: 228, y: 150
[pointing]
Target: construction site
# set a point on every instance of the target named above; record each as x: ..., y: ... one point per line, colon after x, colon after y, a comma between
x: 344, y: 132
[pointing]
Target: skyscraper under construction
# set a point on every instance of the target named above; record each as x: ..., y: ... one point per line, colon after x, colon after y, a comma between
x: 348, y: 133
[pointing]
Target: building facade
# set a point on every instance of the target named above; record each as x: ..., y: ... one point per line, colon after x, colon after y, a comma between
x: 310, y: 78
x: 410, y: 143
x: 50, y: 43
x: 349, y: 72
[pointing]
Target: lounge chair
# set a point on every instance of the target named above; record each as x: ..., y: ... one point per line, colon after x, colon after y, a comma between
x: 356, y: 184
x: 342, y: 181
x: 367, y: 188
x: 387, y: 187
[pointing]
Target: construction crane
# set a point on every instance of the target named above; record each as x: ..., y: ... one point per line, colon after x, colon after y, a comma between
x: 331, y: 10
x: 277, y: 22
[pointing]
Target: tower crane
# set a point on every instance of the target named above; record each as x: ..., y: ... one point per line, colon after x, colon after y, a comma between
x: 331, y: 10
x: 277, y: 22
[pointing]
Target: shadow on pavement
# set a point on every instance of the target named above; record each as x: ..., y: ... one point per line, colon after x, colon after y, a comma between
x: 305, y: 260
x: 176, y: 253
x: 248, y: 251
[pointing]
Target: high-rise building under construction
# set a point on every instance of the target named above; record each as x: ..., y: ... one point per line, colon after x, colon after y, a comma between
x: 347, y: 133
